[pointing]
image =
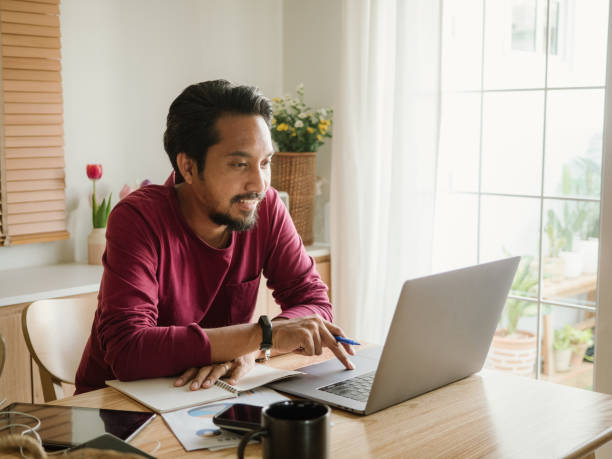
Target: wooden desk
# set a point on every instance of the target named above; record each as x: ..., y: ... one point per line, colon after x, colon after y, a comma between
x: 488, y: 414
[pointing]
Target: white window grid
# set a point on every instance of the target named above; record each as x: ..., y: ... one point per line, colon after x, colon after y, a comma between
x: 538, y: 299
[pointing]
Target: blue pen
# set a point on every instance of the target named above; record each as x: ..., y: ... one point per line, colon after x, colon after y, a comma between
x: 342, y: 339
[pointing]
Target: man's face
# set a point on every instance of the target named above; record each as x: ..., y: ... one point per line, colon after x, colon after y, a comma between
x: 236, y: 171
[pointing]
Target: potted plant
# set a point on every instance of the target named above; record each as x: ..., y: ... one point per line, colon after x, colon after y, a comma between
x: 299, y: 131
x: 563, y: 347
x: 512, y: 349
x: 96, y: 241
x: 581, y: 340
x: 587, y: 183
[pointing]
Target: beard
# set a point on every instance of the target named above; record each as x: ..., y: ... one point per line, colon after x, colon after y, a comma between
x: 238, y: 224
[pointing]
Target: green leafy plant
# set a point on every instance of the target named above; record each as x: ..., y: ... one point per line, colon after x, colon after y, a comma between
x: 524, y: 282
x: 297, y: 127
x: 581, y: 177
x: 569, y: 337
x: 582, y: 336
x: 563, y: 338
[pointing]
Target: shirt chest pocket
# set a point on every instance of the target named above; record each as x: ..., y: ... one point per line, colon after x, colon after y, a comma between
x: 241, y: 298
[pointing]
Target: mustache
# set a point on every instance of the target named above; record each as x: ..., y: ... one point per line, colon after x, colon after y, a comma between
x: 239, y: 197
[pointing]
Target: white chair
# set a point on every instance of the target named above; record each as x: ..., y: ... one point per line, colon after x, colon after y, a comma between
x: 2, y: 353
x: 56, y: 332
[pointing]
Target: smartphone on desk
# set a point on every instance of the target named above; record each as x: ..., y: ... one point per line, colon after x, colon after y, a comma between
x: 239, y: 417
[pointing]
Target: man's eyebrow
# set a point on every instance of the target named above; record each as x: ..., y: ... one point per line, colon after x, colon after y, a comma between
x: 244, y: 154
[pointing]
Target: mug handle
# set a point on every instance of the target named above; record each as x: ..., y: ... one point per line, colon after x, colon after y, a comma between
x: 247, y: 438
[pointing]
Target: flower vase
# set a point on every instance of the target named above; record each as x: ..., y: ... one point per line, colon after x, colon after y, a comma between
x: 96, y: 244
x: 295, y: 173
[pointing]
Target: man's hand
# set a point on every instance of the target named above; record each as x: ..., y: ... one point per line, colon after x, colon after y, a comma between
x: 308, y: 335
x: 206, y: 377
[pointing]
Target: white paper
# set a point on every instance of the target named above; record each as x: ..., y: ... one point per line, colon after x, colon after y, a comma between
x: 195, y: 429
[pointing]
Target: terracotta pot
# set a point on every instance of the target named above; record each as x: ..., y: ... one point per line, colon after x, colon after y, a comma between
x: 295, y: 173
x: 96, y: 244
x: 514, y: 353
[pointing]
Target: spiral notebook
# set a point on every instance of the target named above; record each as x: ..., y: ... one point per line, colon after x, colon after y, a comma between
x: 160, y: 394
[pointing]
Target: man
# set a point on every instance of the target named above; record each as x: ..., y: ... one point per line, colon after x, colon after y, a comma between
x: 183, y: 261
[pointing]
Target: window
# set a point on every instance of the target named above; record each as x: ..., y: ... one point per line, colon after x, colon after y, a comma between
x: 520, y: 169
x: 32, y: 196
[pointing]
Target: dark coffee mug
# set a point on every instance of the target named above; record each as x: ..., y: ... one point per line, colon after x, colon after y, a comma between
x: 298, y: 429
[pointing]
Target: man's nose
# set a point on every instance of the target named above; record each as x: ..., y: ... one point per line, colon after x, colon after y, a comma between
x: 259, y: 180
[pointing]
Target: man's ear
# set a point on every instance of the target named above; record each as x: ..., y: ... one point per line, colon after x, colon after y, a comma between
x: 187, y: 166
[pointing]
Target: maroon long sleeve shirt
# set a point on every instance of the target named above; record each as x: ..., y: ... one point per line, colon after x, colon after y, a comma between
x: 162, y: 285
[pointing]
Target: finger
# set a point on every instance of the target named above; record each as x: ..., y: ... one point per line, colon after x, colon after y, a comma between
x: 318, y: 347
x: 337, y: 331
x: 200, y: 377
x: 186, y: 376
x: 307, y: 344
x: 217, y: 372
x: 335, y: 347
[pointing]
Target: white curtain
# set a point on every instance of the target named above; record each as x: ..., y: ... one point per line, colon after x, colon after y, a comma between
x: 384, y: 148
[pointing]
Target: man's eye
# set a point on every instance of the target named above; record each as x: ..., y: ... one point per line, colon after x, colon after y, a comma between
x: 239, y: 164
x: 266, y: 163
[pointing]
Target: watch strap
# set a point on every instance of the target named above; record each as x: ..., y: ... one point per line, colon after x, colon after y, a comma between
x: 266, y: 333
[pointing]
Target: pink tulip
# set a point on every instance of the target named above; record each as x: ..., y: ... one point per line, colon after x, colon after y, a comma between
x: 125, y: 191
x: 94, y: 171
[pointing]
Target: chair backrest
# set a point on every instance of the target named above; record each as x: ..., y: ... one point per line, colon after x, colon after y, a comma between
x: 56, y: 332
x: 2, y: 353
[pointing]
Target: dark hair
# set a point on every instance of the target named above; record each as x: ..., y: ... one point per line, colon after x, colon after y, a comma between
x: 190, y: 126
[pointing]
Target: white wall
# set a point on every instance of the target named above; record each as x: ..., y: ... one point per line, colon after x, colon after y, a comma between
x: 124, y: 61
x: 312, y: 33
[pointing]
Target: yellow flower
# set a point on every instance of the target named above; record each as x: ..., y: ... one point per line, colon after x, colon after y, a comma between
x: 275, y: 99
x: 319, y: 138
x: 310, y: 129
x: 293, y: 134
x: 282, y: 127
x: 273, y: 120
x: 322, y: 127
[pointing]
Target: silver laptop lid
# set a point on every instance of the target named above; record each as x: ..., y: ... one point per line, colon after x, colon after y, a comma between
x: 441, y: 330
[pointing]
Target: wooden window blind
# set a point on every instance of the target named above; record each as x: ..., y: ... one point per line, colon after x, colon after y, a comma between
x: 32, y: 178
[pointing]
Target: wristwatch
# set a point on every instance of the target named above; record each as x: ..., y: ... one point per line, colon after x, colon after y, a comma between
x: 266, y: 335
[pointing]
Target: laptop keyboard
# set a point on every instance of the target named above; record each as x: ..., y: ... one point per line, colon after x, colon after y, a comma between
x: 357, y: 388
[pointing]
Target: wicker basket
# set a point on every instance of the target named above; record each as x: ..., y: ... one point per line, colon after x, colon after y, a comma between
x: 295, y: 173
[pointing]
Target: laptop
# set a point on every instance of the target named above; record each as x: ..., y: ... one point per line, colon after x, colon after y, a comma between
x: 440, y: 333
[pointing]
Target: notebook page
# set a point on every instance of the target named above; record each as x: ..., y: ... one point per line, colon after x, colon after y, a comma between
x: 160, y: 394
x: 259, y: 376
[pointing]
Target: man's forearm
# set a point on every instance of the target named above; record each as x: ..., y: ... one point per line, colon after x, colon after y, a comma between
x: 227, y: 343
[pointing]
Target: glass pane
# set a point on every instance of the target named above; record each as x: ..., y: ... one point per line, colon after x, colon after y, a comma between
x: 577, y: 42
x: 574, y: 128
x: 514, y: 51
x: 512, y: 142
x: 509, y: 226
x: 459, y: 142
x: 455, y: 231
x: 461, y: 44
x: 570, y: 249
x: 567, y: 346
x: 514, y: 346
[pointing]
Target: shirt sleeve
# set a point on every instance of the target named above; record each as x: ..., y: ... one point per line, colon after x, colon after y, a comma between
x: 291, y: 272
x: 134, y: 346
